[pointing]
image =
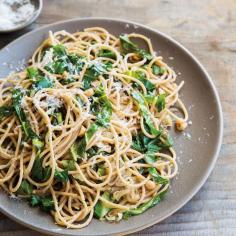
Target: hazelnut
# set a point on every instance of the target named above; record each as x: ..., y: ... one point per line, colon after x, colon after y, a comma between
x: 150, y: 185
x: 180, y: 124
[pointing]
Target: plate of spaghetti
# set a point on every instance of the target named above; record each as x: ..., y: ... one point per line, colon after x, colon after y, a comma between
x: 107, y: 127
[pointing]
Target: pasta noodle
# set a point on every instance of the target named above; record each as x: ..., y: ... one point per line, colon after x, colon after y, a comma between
x: 85, y: 128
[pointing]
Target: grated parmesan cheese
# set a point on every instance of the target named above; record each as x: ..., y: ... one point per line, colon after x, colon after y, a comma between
x: 51, y: 103
x: 15, y: 13
x: 118, y: 86
x: 48, y: 57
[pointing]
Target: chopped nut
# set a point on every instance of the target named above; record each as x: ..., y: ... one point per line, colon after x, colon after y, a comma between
x: 82, y: 131
x: 180, y: 124
x: 150, y: 185
x: 135, y: 58
x: 48, y: 42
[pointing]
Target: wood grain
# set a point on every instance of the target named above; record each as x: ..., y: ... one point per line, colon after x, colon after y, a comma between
x: 208, y: 29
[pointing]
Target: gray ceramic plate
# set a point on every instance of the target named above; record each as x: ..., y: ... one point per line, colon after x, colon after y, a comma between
x: 197, y: 148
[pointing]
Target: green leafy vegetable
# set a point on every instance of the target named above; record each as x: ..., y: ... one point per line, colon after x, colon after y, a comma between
x: 142, y: 77
x: 161, y: 102
x: 37, y: 143
x: 25, y: 188
x: 89, y: 76
x: 39, y: 81
x: 68, y: 80
x: 6, y: 111
x: 101, y: 171
x: 150, y: 98
x: 62, y: 176
x: 59, y: 50
x: 128, y: 46
x: 157, y: 178
x: 79, y: 146
x: 143, y: 106
x: 144, y: 144
x: 147, y: 146
x: 157, y: 70
x: 102, y: 108
x: 43, y: 82
x: 150, y: 157
x: 93, y: 72
x: 62, y: 61
x: 17, y: 96
x: 32, y: 73
x: 100, y: 210
x: 57, y: 67
x: 38, y: 173
x: 59, y: 117
x: 107, y: 53
x: 45, y: 203
x: 145, y: 206
x: 35, y: 200
x: 158, y: 101
x: 94, y: 150
x: 168, y: 141
x: 68, y: 164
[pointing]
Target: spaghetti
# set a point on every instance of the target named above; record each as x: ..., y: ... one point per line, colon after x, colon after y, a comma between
x: 84, y: 129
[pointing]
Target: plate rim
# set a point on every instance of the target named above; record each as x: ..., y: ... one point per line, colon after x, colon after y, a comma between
x: 214, y: 158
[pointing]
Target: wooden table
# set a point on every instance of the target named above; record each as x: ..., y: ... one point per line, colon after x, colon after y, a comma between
x: 208, y: 29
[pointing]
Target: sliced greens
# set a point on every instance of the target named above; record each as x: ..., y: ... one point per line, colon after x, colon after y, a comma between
x: 6, y: 111
x: 149, y: 147
x: 25, y: 188
x: 107, y: 53
x: 157, y: 70
x: 17, y: 96
x: 140, y: 75
x: 38, y: 80
x: 101, y: 171
x: 45, y: 203
x: 103, y: 110
x: 68, y: 165
x: 161, y: 102
x: 156, y: 176
x: 42, y: 82
x: 145, y: 206
x: 79, y: 146
x: 64, y: 62
x: 128, y: 46
x: 61, y: 176
x: 32, y: 73
x: 38, y: 173
x: 92, y: 73
x: 143, y: 106
x: 100, y: 209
